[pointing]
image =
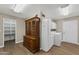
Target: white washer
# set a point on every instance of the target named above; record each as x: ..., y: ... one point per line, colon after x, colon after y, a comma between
x: 58, y: 39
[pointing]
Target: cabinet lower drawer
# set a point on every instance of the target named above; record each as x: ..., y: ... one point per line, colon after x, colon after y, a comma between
x: 32, y: 44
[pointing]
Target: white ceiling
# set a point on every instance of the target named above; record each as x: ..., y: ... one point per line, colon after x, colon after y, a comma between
x: 50, y: 10
x: 29, y: 9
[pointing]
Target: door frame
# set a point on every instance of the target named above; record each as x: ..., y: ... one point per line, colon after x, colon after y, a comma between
x: 15, y: 30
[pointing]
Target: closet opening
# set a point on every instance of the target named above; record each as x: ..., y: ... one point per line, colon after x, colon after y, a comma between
x: 9, y: 29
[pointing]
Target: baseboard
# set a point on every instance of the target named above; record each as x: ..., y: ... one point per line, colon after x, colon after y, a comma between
x: 1, y: 46
x: 19, y: 41
x: 72, y: 43
x: 40, y: 48
x: 47, y: 50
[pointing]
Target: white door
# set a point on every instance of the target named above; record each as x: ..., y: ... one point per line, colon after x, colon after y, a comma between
x: 70, y: 31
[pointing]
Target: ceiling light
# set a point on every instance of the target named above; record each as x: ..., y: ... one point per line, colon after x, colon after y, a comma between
x: 18, y: 8
x: 64, y: 10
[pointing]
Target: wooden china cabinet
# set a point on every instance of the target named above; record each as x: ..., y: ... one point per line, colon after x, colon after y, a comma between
x: 32, y: 36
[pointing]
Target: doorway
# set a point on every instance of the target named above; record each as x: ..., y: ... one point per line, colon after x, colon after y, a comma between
x: 9, y: 31
x: 70, y: 31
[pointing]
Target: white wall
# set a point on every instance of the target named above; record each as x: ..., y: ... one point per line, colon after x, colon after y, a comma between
x: 59, y: 25
x: 53, y: 25
x: 47, y: 37
x: 20, y: 29
x: 1, y: 31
